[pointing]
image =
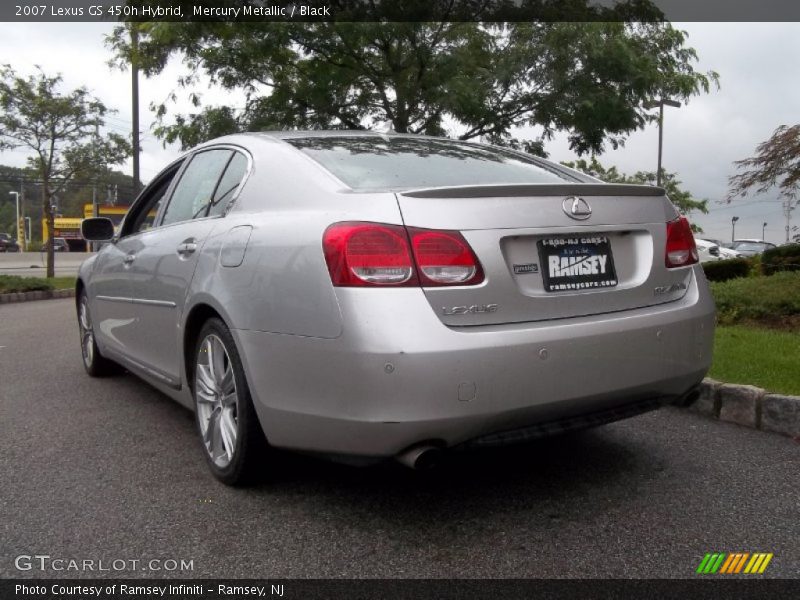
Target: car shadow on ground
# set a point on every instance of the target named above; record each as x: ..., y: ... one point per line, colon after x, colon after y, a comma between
x: 574, y: 477
x: 580, y: 473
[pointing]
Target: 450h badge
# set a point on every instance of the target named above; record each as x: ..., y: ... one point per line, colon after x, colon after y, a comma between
x: 470, y: 310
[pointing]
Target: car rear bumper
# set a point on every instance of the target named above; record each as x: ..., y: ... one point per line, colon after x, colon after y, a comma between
x: 397, y: 376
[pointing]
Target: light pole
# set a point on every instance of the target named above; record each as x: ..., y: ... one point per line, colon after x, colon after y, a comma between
x: 763, y: 228
x: 19, y: 240
x: 660, y: 103
x: 733, y: 227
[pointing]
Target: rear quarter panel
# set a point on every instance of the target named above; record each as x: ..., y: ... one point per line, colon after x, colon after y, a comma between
x: 282, y: 284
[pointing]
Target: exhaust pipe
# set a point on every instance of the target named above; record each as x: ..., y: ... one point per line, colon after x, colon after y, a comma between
x: 421, y: 457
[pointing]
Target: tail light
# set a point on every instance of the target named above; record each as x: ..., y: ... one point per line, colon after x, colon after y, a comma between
x: 374, y: 254
x: 444, y: 258
x: 681, y: 249
x: 366, y: 254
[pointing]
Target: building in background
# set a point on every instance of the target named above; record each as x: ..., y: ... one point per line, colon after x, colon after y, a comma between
x: 69, y: 228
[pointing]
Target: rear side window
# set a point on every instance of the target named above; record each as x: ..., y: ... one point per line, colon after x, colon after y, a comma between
x: 195, y: 190
x: 231, y: 179
x: 375, y: 162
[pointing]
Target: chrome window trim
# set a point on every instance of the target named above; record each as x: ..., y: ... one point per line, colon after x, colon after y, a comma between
x: 158, y: 221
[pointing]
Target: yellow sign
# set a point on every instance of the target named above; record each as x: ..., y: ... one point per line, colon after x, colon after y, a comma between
x: 67, y: 223
x: 104, y: 211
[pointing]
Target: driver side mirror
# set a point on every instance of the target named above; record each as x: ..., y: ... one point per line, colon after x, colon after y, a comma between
x: 97, y: 229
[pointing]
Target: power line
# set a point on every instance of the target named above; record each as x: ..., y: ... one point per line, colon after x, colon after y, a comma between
x: 735, y: 206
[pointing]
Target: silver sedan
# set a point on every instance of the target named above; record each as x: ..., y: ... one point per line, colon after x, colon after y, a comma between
x: 364, y: 295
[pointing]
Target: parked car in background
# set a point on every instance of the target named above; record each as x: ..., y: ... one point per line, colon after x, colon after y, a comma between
x: 59, y: 245
x: 368, y: 295
x: 707, y: 251
x: 724, y: 251
x: 750, y: 247
x: 8, y: 243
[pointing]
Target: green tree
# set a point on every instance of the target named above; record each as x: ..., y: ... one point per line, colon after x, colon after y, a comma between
x: 11, y: 181
x: 8, y: 217
x: 684, y: 200
x: 462, y: 79
x: 60, y: 132
x: 776, y: 163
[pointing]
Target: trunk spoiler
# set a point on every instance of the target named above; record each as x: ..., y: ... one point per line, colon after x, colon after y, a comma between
x: 536, y: 189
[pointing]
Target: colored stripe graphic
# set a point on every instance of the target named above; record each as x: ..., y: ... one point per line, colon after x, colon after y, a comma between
x: 701, y: 567
x: 730, y: 564
x: 734, y: 563
x: 740, y: 564
x: 727, y: 564
x: 759, y: 563
x: 764, y: 564
x: 754, y: 564
x: 711, y: 563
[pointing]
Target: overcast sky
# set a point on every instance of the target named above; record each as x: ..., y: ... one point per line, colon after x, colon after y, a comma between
x: 760, y: 90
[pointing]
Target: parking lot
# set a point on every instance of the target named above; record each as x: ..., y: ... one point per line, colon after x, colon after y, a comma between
x: 110, y: 469
x: 34, y: 264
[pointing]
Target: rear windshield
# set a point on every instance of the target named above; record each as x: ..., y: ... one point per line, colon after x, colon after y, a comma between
x: 367, y: 162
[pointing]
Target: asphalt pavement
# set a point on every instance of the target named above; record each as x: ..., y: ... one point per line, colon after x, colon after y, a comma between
x: 34, y: 264
x: 111, y: 470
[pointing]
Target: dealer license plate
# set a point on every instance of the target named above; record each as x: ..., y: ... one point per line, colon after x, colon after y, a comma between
x: 577, y: 263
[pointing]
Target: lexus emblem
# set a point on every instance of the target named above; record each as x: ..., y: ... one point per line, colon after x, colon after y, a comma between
x: 576, y: 208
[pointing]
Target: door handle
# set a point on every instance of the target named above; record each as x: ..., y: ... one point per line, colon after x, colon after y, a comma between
x: 186, y: 248
x: 129, y: 258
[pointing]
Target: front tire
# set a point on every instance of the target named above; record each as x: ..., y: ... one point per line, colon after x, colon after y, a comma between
x: 96, y: 364
x: 233, y: 441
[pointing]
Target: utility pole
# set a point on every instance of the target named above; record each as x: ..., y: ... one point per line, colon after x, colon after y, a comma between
x: 94, y: 183
x: 95, y: 209
x: 135, y: 103
x: 788, y: 206
x: 16, y: 195
x: 22, y: 213
x: 660, y: 103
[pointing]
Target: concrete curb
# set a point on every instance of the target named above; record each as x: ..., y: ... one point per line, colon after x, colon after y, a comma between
x: 749, y: 406
x: 28, y: 296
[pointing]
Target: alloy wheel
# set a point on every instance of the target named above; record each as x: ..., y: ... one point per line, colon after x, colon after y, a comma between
x: 87, y: 334
x: 217, y: 400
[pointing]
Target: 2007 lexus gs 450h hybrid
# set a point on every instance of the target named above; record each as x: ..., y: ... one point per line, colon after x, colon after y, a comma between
x: 364, y: 295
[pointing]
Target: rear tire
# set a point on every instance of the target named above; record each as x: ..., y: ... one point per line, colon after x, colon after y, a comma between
x: 231, y: 436
x: 96, y: 364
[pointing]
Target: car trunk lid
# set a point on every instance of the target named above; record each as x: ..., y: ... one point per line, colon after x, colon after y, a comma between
x: 551, y: 251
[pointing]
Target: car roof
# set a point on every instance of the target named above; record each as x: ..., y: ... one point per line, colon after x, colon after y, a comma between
x: 285, y: 135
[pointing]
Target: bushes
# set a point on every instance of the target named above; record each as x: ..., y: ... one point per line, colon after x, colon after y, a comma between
x: 723, y: 270
x: 782, y: 258
x: 12, y: 283
x: 774, y: 260
x: 765, y: 299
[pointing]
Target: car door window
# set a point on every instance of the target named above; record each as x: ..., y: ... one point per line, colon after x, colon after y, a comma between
x: 195, y: 190
x: 143, y: 213
x: 231, y: 179
x: 144, y: 219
